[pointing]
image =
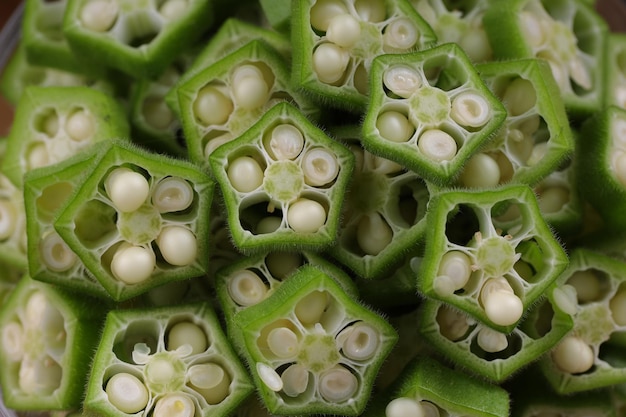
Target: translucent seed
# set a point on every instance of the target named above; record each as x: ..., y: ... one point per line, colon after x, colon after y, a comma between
x: 80, y: 126
x: 587, y: 284
x: 286, y: 142
x: 99, y: 15
x: 39, y: 376
x: 491, y: 341
x: 573, y: 355
x: 245, y: 174
x: 132, y: 264
x: 394, y: 126
x: 501, y: 304
x: 212, y: 107
x: 470, y: 109
x: 172, y: 194
x: 330, y: 62
x: 519, y: 97
x: 8, y: 219
x: 360, y: 341
x: 127, y: 189
x: 295, y: 380
x: 127, y: 393
x: 13, y: 341
x: 246, y: 288
x: 187, y: 333
x: 210, y: 380
x: 480, y: 171
x: 250, y: 90
x: 306, y: 216
x: 173, y: 9
x: 178, y: 245
x: 404, y: 407
x: 455, y: 269
x: 617, y: 305
x: 55, y: 254
x: 437, y: 145
x: 565, y: 298
x: 373, y: 233
x: 323, y: 11
x: 453, y: 325
x: 320, y: 167
x: 283, y: 342
x: 338, y: 384
x: 343, y: 30
x: 310, y: 308
x: 174, y: 405
x: 371, y: 10
x: 156, y: 113
x: 402, y: 81
x: 269, y: 376
x: 400, y: 35
x: 553, y: 199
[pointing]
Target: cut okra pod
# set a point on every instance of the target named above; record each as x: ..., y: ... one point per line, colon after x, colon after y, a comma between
x: 335, y: 42
x: 311, y: 348
x: 163, y: 362
x: 489, y: 253
x: 615, y: 70
x: 13, y: 240
x: 139, y: 220
x: 48, y: 337
x: 429, y: 111
x: 283, y: 182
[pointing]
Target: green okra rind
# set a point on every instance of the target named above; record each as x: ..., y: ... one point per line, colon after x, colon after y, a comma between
x: 48, y: 338
x: 277, y: 13
x: 99, y: 226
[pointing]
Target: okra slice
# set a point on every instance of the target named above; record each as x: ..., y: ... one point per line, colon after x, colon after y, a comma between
x: 222, y: 101
x: 283, y: 182
x: 54, y: 123
x: 48, y: 338
x: 383, y: 213
x: 589, y: 357
x: 138, y: 38
x: 427, y: 387
x: 569, y: 35
x: 489, y: 253
x: 311, y: 348
x: 489, y: 353
x: 534, y: 139
x: 429, y: 111
x: 13, y: 251
x: 139, y: 220
x: 165, y: 361
x: 335, y: 42
x: 615, y: 70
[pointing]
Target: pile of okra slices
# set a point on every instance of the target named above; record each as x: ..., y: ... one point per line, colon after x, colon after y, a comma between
x: 376, y: 208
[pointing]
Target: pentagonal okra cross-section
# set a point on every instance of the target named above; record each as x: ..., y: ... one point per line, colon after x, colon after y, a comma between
x: 312, y: 348
x: 489, y: 253
x: 139, y: 220
x: 336, y: 41
x: 283, y: 182
x: 47, y: 336
x: 429, y: 111
x: 166, y: 361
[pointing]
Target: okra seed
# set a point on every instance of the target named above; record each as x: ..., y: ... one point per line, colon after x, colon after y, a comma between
x: 453, y: 325
x: 41, y: 313
x: 323, y: 12
x: 338, y: 384
x: 245, y: 174
x: 539, y: 151
x: 491, y: 341
x: 172, y: 194
x: 306, y: 216
x: 617, y: 305
x: 320, y: 167
x: 127, y: 393
x: 587, y: 284
x: 404, y: 407
x: 532, y: 28
x: 394, y: 126
x: 250, y: 90
x: 174, y: 405
x: 371, y: 10
x: 212, y: 107
x: 566, y: 299
x: 210, y: 380
x: 343, y: 30
x: 187, y: 333
x: 519, y: 96
x: 295, y: 380
x: 80, y: 126
x: 553, y: 199
x: 55, y: 254
x: 310, y: 308
x: 8, y: 219
x: 430, y: 409
x: 282, y: 264
x: 361, y: 342
x: 373, y: 233
x: 132, y: 264
x: 402, y: 81
x: 286, y: 142
x: 573, y: 355
x: 246, y: 288
x: 400, y: 35
x: 99, y: 15
x: 501, y: 304
x: 215, y: 142
x: 470, y: 109
x: 269, y: 377
x: 283, y: 342
x: 480, y: 171
x: 173, y: 9
x: 268, y: 224
x: 127, y: 189
x: 330, y: 62
x: 37, y: 156
x: 437, y: 145
x: 178, y: 245
x: 13, y: 340
x: 579, y: 73
x: 476, y: 44
x: 39, y: 377
x: 457, y: 268
x: 156, y: 113
x: 50, y: 124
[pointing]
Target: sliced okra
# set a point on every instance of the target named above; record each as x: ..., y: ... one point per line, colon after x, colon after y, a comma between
x: 54, y: 123
x: 535, y: 137
x: 489, y: 253
x: 429, y: 111
x: 224, y: 99
x: 427, y: 387
x: 139, y: 220
x: 48, y: 337
x: 335, y: 42
x: 615, y: 70
x: 569, y: 35
x: 312, y: 348
x: 13, y: 240
x: 283, y: 182
x: 162, y: 362
x: 383, y: 213
x: 139, y: 38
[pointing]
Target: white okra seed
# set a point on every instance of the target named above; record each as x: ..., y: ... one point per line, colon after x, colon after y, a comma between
x: 480, y: 171
x: 573, y: 355
x: 178, y: 245
x: 245, y: 174
x: 127, y: 189
x: 283, y: 342
x: 565, y: 298
x: 127, y: 393
x: 457, y: 268
x: 430, y: 409
x: 187, y: 333
x: 501, y: 304
x: 156, y: 113
x: 295, y: 380
x: 323, y: 11
x: 617, y: 305
x: 210, y: 380
x: 343, y: 30
x: 132, y: 264
x: 491, y: 340
x: 306, y: 216
x: 476, y: 45
x: 338, y: 384
x: 172, y: 194
x: 371, y: 10
x: 402, y: 80
x: 99, y: 15
x: 330, y: 62
x: 552, y: 199
x: 216, y: 142
x: 404, y: 407
x: 37, y: 156
x: 246, y: 288
x: 579, y: 73
x: 55, y: 254
x: 470, y: 109
x: 282, y: 264
x: 250, y: 90
x: 310, y: 308
x: 437, y: 145
x: 173, y: 9
x: 286, y: 142
x: 13, y: 340
x: 319, y: 166
x: 39, y: 376
x: 360, y: 341
x: 212, y: 107
x: 268, y: 224
x: 519, y: 96
x: 8, y: 219
x: 41, y: 313
x: 394, y: 126
x: 453, y: 325
x: 587, y: 284
x: 269, y: 377
x: 539, y: 151
x: 400, y: 35
x: 373, y: 233
x: 80, y: 126
x: 533, y: 29
x: 174, y: 405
